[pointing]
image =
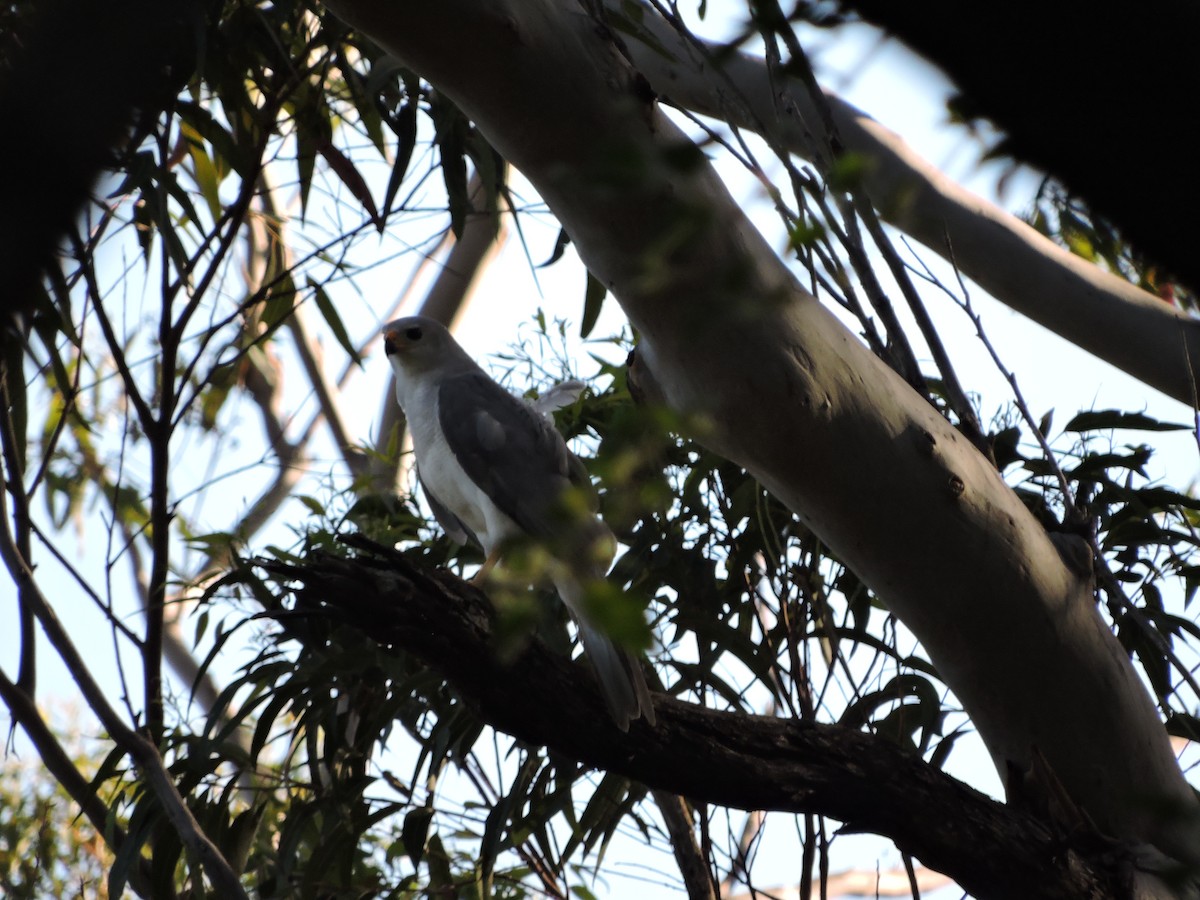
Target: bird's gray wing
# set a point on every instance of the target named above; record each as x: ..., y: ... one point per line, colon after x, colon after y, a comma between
x: 456, y: 529
x: 510, y: 451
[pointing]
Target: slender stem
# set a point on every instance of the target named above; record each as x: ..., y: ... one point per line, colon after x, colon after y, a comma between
x: 955, y: 394
x: 144, y: 413
x: 965, y: 303
x: 158, y: 435
x: 104, y: 607
x: 697, y: 878
x: 15, y: 482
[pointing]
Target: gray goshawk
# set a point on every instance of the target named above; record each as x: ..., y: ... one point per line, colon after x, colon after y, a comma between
x: 495, y: 470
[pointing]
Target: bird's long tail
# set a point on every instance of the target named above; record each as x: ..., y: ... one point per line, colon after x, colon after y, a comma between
x: 620, y: 675
x: 618, y: 671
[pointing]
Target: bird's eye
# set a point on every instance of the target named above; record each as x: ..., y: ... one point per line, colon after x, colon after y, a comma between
x: 413, y: 334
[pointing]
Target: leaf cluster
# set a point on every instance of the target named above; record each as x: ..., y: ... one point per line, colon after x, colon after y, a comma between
x: 1068, y: 220
x: 1140, y: 537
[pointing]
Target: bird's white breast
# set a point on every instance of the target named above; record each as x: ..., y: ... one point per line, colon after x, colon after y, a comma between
x: 440, y: 471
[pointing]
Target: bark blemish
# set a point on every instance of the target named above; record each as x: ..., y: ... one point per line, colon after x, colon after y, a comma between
x: 927, y: 442
x: 956, y: 486
x: 801, y: 358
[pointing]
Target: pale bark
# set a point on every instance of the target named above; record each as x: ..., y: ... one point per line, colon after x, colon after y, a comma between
x: 790, y: 394
x: 1104, y: 314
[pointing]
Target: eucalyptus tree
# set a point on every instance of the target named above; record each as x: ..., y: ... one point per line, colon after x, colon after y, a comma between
x: 790, y: 484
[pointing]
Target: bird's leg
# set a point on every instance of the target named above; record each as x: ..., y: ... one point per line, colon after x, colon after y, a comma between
x: 486, y: 569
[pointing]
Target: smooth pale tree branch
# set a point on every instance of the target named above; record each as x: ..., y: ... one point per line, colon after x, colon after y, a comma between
x: 307, y: 350
x: 765, y: 763
x: 1094, y: 309
x: 791, y: 395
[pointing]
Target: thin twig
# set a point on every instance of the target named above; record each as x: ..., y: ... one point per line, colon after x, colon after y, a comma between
x: 105, y: 608
x: 906, y: 363
x: 1112, y: 587
x: 965, y: 304
x: 693, y: 866
x: 14, y: 480
x: 955, y: 394
x: 144, y: 412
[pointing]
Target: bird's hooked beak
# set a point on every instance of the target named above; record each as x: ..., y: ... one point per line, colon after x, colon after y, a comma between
x: 391, y: 341
x: 402, y: 336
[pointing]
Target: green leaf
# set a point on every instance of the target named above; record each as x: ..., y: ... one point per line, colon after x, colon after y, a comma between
x: 441, y: 879
x: 281, y: 300
x: 137, y: 833
x: 603, y: 813
x: 560, y: 245
x: 593, y: 300
x: 847, y: 171
x: 212, y: 543
x: 451, y: 139
x: 144, y: 226
x: 208, y: 178
x: 312, y: 504
x: 313, y: 133
x: 405, y: 128
x: 902, y: 719
x: 342, y: 166
x: 406, y: 134
x: 221, y: 381
x: 226, y: 153
x: 1096, y: 420
x: 165, y: 854
x: 414, y: 831
x: 333, y: 320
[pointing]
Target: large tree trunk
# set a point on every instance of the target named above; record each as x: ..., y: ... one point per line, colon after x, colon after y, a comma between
x: 791, y: 395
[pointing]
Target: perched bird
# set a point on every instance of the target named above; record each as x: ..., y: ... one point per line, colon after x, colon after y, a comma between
x: 494, y: 471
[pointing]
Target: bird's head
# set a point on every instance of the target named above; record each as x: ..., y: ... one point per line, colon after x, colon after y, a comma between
x: 419, y: 344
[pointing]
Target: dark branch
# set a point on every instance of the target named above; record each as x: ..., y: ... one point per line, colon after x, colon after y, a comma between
x: 741, y: 761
